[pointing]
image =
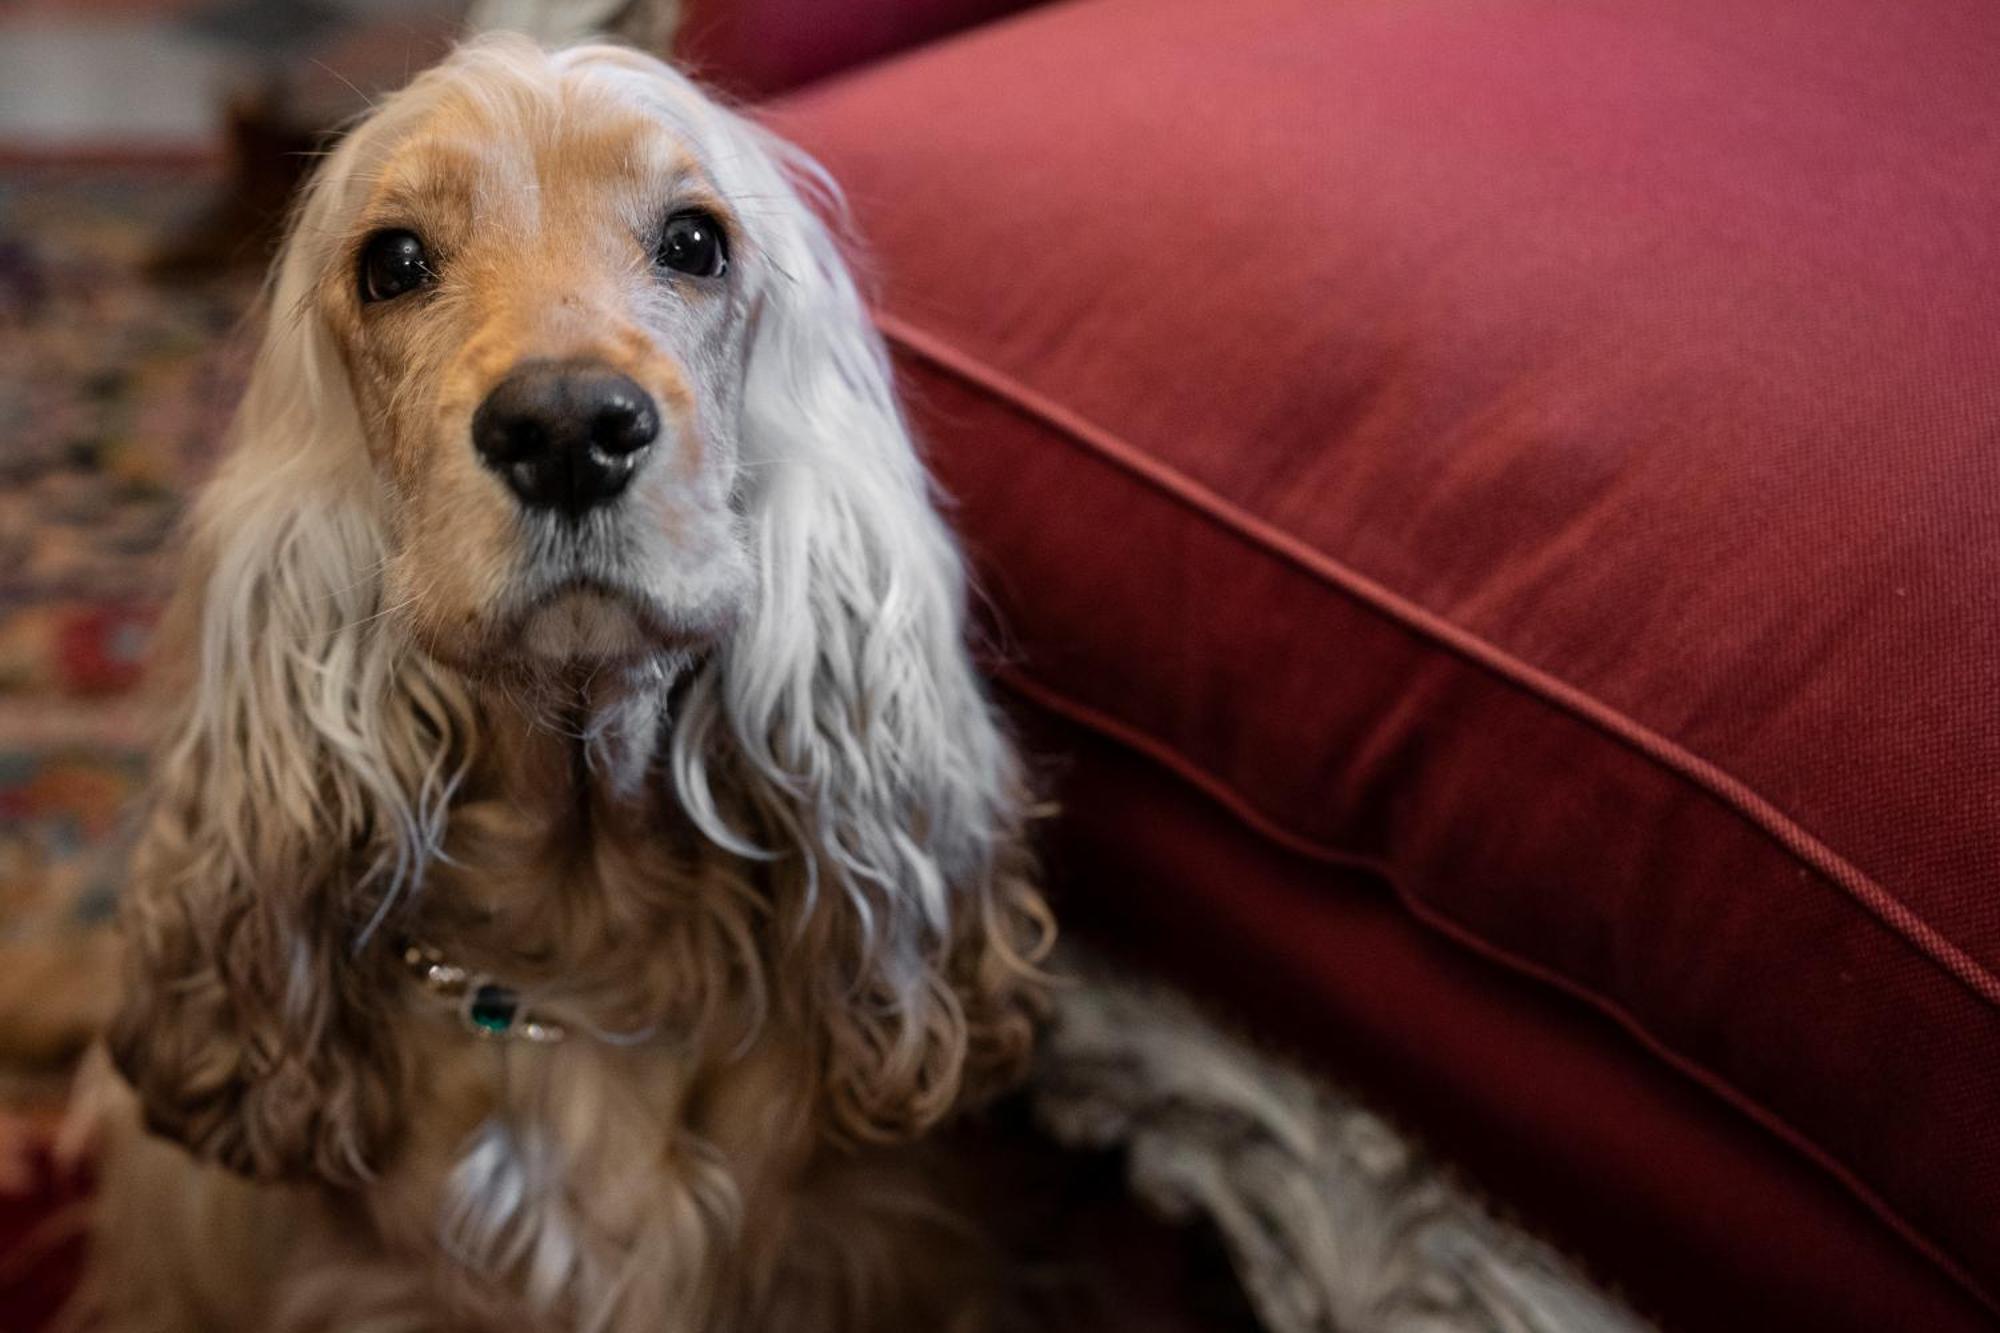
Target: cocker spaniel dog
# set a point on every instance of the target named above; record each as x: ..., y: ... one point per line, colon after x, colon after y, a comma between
x: 579, y: 845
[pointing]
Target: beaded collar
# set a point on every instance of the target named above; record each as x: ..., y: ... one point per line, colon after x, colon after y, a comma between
x: 484, y: 1007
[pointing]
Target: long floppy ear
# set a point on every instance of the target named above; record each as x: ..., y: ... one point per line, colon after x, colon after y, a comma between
x: 299, y: 786
x: 847, y: 708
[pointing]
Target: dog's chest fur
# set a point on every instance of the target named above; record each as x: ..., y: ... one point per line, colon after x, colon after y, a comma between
x: 618, y: 1161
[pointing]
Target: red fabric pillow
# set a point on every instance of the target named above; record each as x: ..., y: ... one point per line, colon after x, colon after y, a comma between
x: 755, y: 48
x: 1547, y: 457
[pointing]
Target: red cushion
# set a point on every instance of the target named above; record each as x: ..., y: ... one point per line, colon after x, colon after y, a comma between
x: 1547, y: 456
x: 754, y: 48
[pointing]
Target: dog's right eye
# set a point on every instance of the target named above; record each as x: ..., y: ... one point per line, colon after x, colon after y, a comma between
x: 392, y: 263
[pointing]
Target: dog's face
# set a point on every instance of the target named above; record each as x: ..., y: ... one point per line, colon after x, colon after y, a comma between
x: 540, y: 299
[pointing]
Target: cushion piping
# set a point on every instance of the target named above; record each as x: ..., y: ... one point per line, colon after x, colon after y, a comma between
x: 1058, y: 704
x: 1898, y: 916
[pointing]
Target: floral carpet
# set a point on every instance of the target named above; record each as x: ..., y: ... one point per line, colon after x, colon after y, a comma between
x: 114, y: 391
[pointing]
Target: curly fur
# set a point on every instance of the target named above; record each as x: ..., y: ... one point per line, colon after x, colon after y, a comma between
x: 1337, y: 1221
x: 766, y: 864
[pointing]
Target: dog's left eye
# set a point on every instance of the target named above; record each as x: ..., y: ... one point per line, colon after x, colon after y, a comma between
x: 393, y: 262
x: 692, y: 244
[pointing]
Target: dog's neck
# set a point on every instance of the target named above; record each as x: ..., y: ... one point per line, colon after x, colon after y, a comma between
x: 563, y: 802
x: 586, y: 746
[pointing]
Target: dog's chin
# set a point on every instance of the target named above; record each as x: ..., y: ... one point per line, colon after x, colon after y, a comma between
x: 584, y: 631
x: 587, y: 626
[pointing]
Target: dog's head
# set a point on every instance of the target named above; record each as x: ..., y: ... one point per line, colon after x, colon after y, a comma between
x: 538, y: 283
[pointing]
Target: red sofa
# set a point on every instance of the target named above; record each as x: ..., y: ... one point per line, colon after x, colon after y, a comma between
x: 1494, y: 519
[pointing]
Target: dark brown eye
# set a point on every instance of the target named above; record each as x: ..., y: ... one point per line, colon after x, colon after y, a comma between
x: 693, y: 244
x: 392, y: 263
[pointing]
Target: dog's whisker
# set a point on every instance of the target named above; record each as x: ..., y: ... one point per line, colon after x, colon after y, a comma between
x: 346, y: 82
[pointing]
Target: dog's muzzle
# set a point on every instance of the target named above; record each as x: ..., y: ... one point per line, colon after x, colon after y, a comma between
x: 565, y: 435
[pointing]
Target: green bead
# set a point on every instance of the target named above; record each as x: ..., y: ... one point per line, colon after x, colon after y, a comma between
x: 493, y: 1009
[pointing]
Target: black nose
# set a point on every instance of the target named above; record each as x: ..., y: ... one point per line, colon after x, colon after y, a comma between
x: 565, y: 434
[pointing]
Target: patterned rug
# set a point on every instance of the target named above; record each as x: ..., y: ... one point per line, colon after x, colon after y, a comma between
x: 114, y: 390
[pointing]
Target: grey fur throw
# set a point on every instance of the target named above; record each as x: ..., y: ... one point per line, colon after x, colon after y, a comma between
x: 1335, y: 1221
